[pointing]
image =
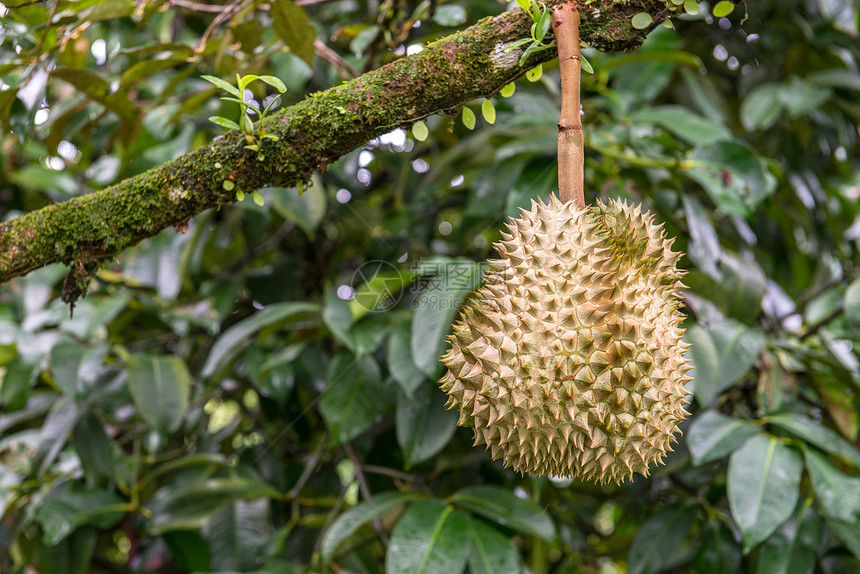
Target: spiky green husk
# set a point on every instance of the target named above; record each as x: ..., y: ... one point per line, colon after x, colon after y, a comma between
x: 569, y: 360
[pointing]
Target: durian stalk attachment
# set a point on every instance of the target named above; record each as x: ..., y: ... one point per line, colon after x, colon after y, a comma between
x: 569, y: 360
x: 571, y: 142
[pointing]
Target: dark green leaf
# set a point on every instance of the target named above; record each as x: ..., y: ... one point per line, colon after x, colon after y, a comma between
x: 65, y: 512
x: 732, y: 174
x: 354, y: 396
x: 848, y: 533
x: 237, y: 536
x: 492, y: 552
x: 350, y: 521
x: 295, y: 28
x: 233, y: 340
x: 852, y: 302
x: 400, y: 363
x: 306, y: 209
x: 692, y: 128
x: 718, y: 552
x: 430, y: 538
x: 504, y: 507
x: 71, y: 556
x: 721, y: 354
x: 763, y: 483
x: 15, y: 384
x: 424, y: 425
x: 95, y: 450
x: 160, y: 387
x: 817, y: 434
x: 658, y: 538
x: 190, y: 507
x: 761, y: 107
x: 98, y: 89
x: 146, y: 68
x: 704, y: 249
x: 793, y: 547
x: 713, y: 435
x: 450, y: 282
x: 55, y: 431
x: 838, y: 494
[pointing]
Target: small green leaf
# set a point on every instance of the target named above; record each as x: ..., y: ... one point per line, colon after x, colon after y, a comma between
x: 275, y: 83
x: 420, y: 131
x: 468, y: 118
x: 642, y: 20
x: 245, y: 81
x: 723, y: 8
x: 228, y: 185
x: 488, y: 110
x: 535, y: 73
x: 224, y: 122
x: 258, y: 199
x: 508, y: 90
x: 240, y: 195
x: 226, y: 86
x: 524, y: 4
x: 517, y: 44
x: 542, y: 25
x: 691, y: 7
x: 586, y: 65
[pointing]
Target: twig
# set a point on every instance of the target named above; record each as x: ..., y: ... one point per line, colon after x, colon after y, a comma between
x: 571, y: 145
x: 373, y: 469
x: 309, y: 469
x: 813, y: 329
x: 197, y: 7
x: 345, y: 70
x: 365, y: 491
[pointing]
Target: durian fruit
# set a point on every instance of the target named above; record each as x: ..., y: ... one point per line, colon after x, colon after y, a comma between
x: 569, y: 360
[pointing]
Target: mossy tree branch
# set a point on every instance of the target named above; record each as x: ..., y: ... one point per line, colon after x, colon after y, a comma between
x: 87, y: 230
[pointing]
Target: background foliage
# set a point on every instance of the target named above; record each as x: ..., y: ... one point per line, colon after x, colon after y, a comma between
x: 223, y: 400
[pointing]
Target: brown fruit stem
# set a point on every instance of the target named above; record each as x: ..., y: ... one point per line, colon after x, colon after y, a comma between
x: 571, y: 143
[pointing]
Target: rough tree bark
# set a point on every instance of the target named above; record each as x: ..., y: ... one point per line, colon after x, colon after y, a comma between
x: 85, y: 231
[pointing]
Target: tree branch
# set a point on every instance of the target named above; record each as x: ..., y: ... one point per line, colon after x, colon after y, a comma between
x: 87, y: 230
